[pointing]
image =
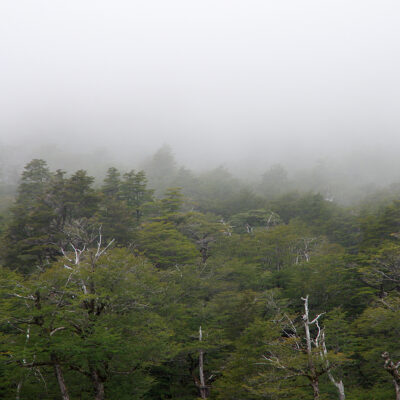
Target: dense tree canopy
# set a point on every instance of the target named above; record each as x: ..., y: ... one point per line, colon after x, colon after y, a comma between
x: 198, y: 287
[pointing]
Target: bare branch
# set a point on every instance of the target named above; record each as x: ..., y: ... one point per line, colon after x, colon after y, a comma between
x: 61, y: 328
x: 22, y: 297
x: 100, y: 253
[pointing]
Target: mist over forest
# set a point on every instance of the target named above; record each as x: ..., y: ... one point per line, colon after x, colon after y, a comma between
x: 346, y: 175
x: 305, y: 85
x: 199, y: 200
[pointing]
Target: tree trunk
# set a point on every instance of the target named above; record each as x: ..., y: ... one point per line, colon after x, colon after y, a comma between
x: 202, y: 388
x: 98, y: 385
x: 19, y: 387
x: 393, y: 370
x: 340, y: 387
x: 324, y: 355
x: 397, y: 387
x: 204, y: 254
x: 311, y: 365
x: 60, y: 377
x: 61, y: 382
x: 315, y: 386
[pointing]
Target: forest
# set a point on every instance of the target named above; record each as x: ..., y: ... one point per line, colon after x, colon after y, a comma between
x: 166, y: 284
x: 199, y: 200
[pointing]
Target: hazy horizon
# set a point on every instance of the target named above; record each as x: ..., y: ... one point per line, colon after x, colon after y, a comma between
x: 222, y: 82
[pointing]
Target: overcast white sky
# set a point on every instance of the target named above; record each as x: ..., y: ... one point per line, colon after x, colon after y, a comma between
x: 213, y: 78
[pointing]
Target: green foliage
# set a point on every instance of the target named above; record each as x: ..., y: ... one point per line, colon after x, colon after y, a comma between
x: 161, y: 169
x: 81, y: 200
x: 45, y: 203
x: 165, y: 246
x: 112, y: 183
x: 203, y: 230
x: 207, y: 253
x: 99, y: 315
x: 172, y: 201
x: 253, y: 219
x: 275, y: 181
x: 334, y: 282
x: 135, y: 193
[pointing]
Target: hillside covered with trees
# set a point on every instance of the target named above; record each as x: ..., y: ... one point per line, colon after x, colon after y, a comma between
x: 166, y: 284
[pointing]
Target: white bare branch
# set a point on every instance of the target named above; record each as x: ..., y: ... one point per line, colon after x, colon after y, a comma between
x: 61, y: 328
x: 65, y: 255
x: 99, y: 252
x: 274, y: 360
x: 30, y: 297
x: 315, y: 320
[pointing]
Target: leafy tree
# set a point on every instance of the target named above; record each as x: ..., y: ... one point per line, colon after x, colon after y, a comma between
x: 335, y: 281
x: 161, y: 168
x: 275, y: 181
x: 203, y: 230
x: 382, y: 226
x: 112, y: 183
x: 249, y: 220
x: 27, y: 235
x: 34, y: 180
x: 380, y: 268
x: 376, y: 332
x: 135, y: 192
x: 165, y: 246
x: 291, y: 355
x: 92, y: 315
x: 172, y: 201
x: 45, y: 204
x: 113, y: 213
x: 80, y: 198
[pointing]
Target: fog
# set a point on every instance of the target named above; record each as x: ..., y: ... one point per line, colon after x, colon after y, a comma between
x: 223, y: 82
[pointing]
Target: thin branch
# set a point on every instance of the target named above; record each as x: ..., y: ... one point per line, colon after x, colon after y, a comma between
x: 61, y: 328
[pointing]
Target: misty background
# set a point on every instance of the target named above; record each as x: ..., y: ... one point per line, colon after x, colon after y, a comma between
x: 312, y: 85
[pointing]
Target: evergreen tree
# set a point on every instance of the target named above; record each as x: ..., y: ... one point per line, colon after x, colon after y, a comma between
x: 113, y: 213
x: 135, y: 193
x: 112, y: 183
x: 28, y: 235
x: 81, y: 199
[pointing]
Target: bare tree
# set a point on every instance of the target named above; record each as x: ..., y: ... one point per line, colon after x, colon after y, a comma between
x: 309, y: 349
x: 393, y: 369
x: 337, y: 383
x: 201, y: 380
x: 313, y: 374
x: 320, y: 345
x: 203, y: 388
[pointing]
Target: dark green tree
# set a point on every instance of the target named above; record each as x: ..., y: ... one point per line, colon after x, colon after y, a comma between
x: 165, y: 246
x: 28, y: 237
x: 113, y: 213
x: 81, y: 199
x: 82, y: 325
x: 135, y: 193
x: 112, y: 183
